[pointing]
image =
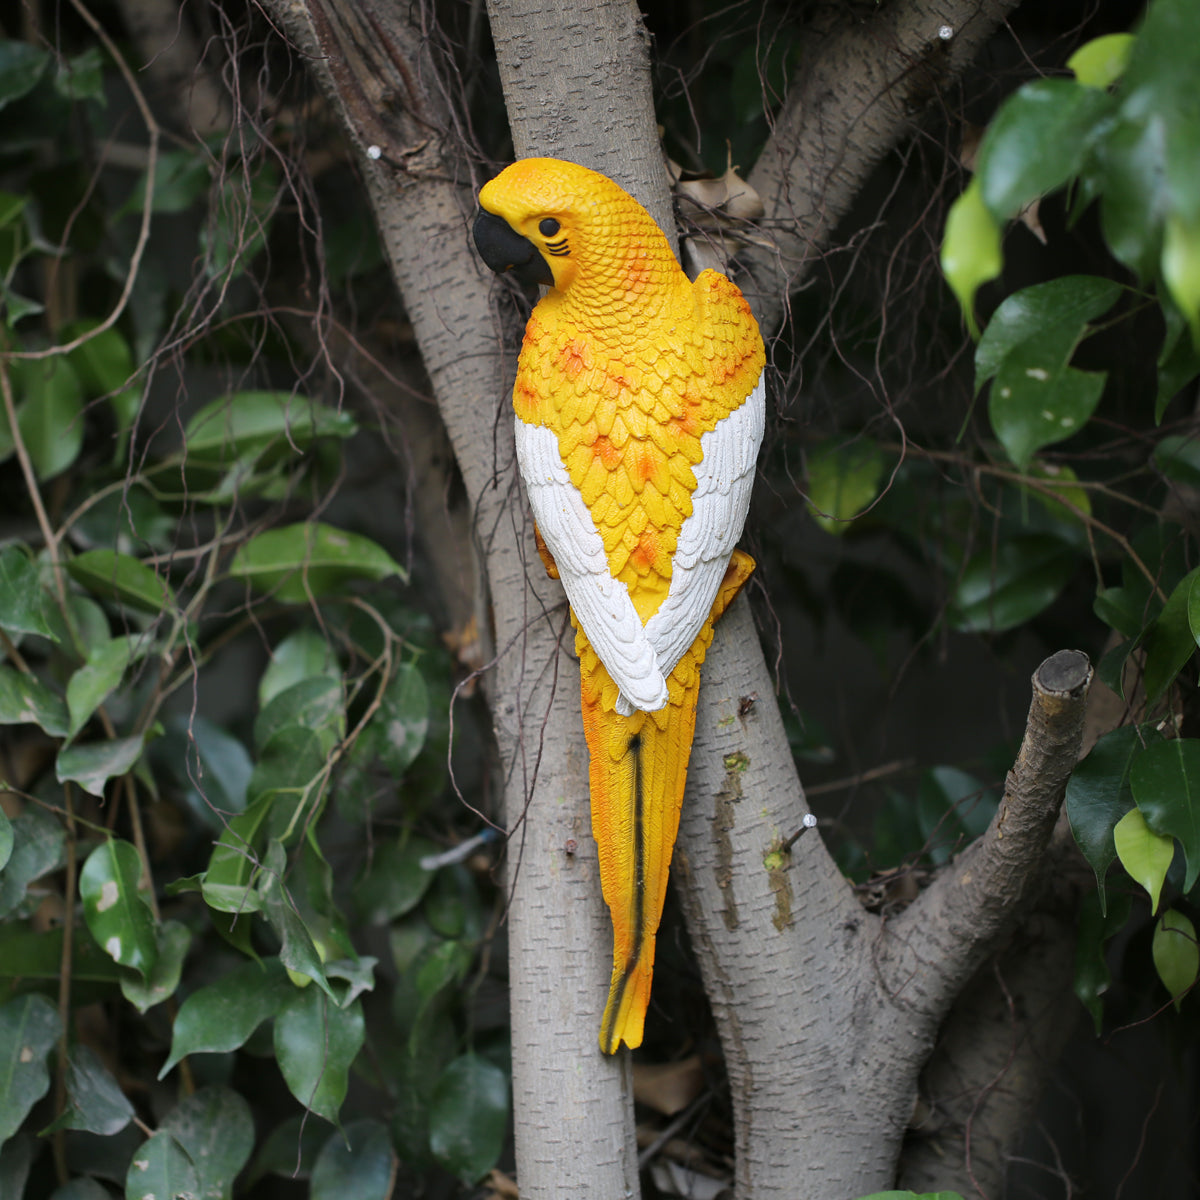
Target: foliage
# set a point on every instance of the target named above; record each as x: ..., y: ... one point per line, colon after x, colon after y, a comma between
x: 1122, y: 135
x: 212, y: 892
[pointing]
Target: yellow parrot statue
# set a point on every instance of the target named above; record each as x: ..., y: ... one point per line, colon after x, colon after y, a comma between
x: 639, y: 413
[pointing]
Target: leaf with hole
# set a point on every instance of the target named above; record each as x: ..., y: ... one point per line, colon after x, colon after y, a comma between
x: 117, y: 916
x: 311, y: 559
x: 161, y: 1168
x: 29, y: 1027
x: 1165, y: 779
x: 215, y: 1127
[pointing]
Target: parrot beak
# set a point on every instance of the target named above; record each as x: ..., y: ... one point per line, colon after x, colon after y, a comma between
x: 503, y: 249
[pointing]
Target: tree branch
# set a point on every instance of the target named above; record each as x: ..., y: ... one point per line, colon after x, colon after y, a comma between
x: 936, y: 944
x: 852, y: 98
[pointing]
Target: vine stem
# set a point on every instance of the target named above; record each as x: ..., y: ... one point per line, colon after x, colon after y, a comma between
x: 64, y: 989
x: 139, y: 249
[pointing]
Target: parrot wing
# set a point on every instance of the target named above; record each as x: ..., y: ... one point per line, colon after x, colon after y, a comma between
x: 601, y: 604
x: 724, y: 480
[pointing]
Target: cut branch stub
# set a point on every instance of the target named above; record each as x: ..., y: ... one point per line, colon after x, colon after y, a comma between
x: 943, y: 937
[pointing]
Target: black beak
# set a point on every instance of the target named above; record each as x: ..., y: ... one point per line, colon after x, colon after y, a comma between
x: 503, y: 249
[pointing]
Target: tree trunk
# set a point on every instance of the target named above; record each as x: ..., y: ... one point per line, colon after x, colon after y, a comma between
x: 827, y: 1013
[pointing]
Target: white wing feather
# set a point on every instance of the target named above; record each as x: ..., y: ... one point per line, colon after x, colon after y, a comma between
x: 600, y: 602
x: 638, y: 658
x: 724, y: 480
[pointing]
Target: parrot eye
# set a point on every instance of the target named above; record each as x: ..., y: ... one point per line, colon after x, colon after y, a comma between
x: 548, y: 227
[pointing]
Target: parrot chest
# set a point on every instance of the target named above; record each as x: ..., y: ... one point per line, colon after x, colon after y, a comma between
x: 628, y: 428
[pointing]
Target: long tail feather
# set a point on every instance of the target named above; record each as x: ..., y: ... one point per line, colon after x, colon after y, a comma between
x: 638, y: 769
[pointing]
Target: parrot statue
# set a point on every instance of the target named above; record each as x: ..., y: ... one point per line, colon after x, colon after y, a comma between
x: 639, y: 412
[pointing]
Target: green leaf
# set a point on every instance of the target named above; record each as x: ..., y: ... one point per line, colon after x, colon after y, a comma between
x: 29, y: 1026
x: 1002, y: 588
x: 310, y: 559
x: 291, y: 1149
x: 25, y: 701
x: 357, y: 1164
x: 315, y: 1043
x: 22, y: 597
x: 82, y: 1188
x: 1060, y: 308
x: 122, y: 578
x: 298, y: 951
x: 843, y: 480
x: 317, y: 703
x: 81, y: 77
x: 28, y: 954
x: 1037, y: 398
x: 38, y: 841
x: 1098, y: 796
x: 6, y: 839
x: 393, y: 880
x: 1102, y: 61
x: 289, y: 772
x: 21, y: 66
x: 1165, y: 779
x: 215, y: 1127
x: 240, y: 219
x: 221, y: 1017
x: 94, y: 764
x: 971, y: 253
x: 1146, y: 855
x: 97, y: 1103
x: 1128, y: 610
x: 1178, y: 458
x: 1181, y: 268
x: 116, y: 914
x: 89, y: 686
x: 181, y: 178
x: 104, y: 363
x: 210, y: 766
x: 50, y: 417
x: 1130, y: 159
x: 253, y: 423
x: 173, y: 940
x: 403, y: 719
x: 303, y: 655
x: 1170, y: 643
x: 1178, y: 365
x: 468, y: 1117
x: 1176, y: 954
x: 1096, y: 926
x: 160, y: 1169
x: 234, y: 861
x: 1037, y: 140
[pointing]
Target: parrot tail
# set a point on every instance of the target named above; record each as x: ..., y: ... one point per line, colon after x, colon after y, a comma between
x: 638, y: 769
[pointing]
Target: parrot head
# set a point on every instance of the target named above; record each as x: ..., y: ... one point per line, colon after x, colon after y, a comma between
x: 553, y: 222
